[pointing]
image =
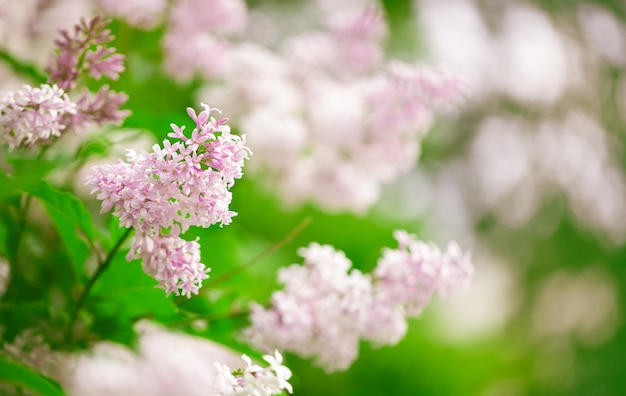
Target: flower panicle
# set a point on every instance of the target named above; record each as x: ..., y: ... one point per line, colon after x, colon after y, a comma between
x: 33, y: 115
x: 181, y: 183
x: 326, y: 308
x: 84, y: 52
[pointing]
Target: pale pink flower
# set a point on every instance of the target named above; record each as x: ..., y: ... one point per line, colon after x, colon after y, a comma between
x: 189, y: 54
x: 320, y: 313
x: 172, y: 261
x: 355, y: 120
x: 359, y: 36
x: 177, y: 185
x: 102, y: 107
x: 144, y: 14
x: 32, y: 115
x: 194, y: 41
x: 325, y: 309
x: 215, y: 16
x: 413, y: 273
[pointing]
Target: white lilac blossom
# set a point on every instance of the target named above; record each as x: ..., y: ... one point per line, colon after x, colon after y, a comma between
x: 254, y: 380
x: 356, y: 120
x: 34, y: 114
x: 164, y: 192
x: 325, y: 309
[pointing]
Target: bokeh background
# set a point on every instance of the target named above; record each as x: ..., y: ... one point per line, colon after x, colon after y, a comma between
x: 528, y: 174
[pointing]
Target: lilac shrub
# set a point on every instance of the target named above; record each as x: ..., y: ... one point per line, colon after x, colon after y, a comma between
x: 350, y: 120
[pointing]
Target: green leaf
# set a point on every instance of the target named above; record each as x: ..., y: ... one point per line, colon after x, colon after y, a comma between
x: 3, y: 238
x: 68, y: 215
x: 27, y: 172
x: 71, y: 208
x: 8, y: 185
x: 115, y: 230
x: 77, y: 249
x: 98, y: 145
x: 124, y: 294
x: 20, y: 376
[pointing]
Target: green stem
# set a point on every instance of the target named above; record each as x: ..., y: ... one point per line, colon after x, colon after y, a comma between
x: 102, y: 267
x: 23, y: 68
x: 271, y: 249
x: 21, y: 225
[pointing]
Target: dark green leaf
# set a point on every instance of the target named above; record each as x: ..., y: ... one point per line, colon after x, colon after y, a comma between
x: 20, y: 376
x: 124, y: 294
x: 69, y: 216
x: 77, y: 249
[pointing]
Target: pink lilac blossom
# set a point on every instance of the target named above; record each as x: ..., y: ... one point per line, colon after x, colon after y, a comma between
x: 177, y: 185
x: 352, y: 44
x: 83, y: 50
x: 254, y: 380
x: 32, y: 115
x: 195, y: 36
x: 413, y: 273
x: 102, y: 107
x: 325, y: 309
x: 144, y: 14
x: 320, y: 312
x: 357, y: 119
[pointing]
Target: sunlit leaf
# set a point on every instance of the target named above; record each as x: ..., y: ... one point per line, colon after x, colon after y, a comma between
x: 69, y: 216
x: 70, y: 207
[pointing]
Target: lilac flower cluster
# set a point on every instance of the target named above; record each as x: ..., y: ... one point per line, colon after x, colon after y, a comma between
x: 253, y: 379
x: 32, y: 115
x: 353, y: 121
x: 84, y: 51
x: 325, y: 309
x: 35, y: 115
x: 163, y: 193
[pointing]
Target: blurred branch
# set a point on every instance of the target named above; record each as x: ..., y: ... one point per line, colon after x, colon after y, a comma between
x: 102, y: 267
x: 270, y: 250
